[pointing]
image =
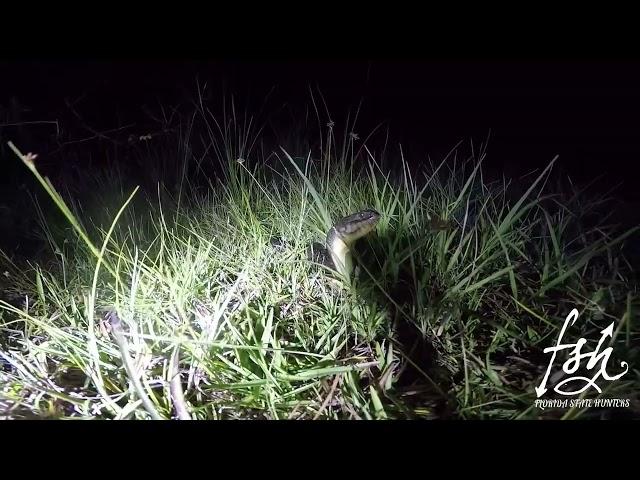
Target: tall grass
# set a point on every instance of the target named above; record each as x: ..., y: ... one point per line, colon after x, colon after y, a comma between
x: 185, y: 306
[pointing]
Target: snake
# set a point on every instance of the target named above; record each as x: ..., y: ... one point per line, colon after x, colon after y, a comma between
x: 335, y: 254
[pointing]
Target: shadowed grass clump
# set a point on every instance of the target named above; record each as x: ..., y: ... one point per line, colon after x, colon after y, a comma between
x: 207, y: 307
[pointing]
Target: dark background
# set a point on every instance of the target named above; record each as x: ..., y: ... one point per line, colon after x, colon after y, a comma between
x: 586, y: 111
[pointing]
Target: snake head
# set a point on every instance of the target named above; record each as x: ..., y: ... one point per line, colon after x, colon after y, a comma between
x: 357, y: 225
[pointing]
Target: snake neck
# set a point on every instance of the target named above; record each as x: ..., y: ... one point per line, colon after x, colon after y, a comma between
x: 340, y: 253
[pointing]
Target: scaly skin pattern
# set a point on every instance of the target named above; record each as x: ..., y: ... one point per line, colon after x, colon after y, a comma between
x: 353, y: 227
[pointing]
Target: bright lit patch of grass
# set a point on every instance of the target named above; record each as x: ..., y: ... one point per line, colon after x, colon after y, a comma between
x: 186, y: 305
